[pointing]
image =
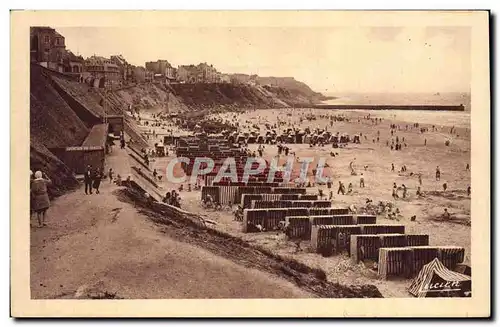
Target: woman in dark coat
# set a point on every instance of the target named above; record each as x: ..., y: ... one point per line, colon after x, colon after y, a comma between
x: 97, y: 181
x: 32, y: 178
x: 40, y: 196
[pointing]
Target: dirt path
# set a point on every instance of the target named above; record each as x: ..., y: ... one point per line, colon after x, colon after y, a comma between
x: 98, y: 240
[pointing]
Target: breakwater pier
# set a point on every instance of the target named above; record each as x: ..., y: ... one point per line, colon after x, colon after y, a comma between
x: 460, y: 107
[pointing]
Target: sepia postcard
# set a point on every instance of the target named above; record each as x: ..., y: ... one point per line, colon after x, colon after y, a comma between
x: 250, y: 164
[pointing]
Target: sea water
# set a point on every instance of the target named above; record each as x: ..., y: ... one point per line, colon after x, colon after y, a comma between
x: 444, y: 118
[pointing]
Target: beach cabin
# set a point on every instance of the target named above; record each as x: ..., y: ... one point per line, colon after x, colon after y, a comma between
x: 160, y: 150
x: 241, y: 139
x: 251, y: 139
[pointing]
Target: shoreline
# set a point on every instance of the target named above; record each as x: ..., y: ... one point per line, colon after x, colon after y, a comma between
x: 460, y: 108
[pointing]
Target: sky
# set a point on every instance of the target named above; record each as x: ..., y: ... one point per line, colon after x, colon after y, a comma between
x: 329, y: 59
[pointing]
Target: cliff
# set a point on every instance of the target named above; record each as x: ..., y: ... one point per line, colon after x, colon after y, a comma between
x: 196, y: 97
x: 53, y: 125
x: 289, y: 88
x: 63, y: 111
x: 52, y: 121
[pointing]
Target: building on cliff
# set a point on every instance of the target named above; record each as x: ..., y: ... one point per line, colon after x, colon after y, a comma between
x: 105, y: 69
x: 187, y: 74
x: 47, y: 47
x: 141, y: 75
x: 73, y: 64
x: 202, y: 73
x: 163, y: 68
x: 126, y: 70
x: 208, y: 73
x: 225, y: 78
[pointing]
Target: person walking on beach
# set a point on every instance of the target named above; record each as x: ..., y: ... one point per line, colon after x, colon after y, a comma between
x: 40, y: 196
x: 438, y: 174
x: 468, y: 190
x: 395, y: 191
x: 392, y: 167
x: 362, y: 181
x: 404, y: 191
x: 420, y: 178
x: 425, y: 142
x: 88, y: 180
x: 349, y: 188
x: 467, y: 168
x: 341, y: 188
x: 445, y: 186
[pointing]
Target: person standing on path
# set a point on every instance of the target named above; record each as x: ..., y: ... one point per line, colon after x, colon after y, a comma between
x: 40, y: 196
x: 110, y: 175
x: 88, y: 180
x: 96, y: 181
x: 438, y: 174
x: 362, y: 181
x: 420, y: 179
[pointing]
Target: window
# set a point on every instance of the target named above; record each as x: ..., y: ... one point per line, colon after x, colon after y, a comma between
x: 47, y: 39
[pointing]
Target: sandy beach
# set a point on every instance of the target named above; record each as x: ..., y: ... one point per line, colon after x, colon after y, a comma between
x: 423, y: 153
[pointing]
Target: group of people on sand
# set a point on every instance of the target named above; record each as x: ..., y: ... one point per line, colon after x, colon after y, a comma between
x: 172, y: 198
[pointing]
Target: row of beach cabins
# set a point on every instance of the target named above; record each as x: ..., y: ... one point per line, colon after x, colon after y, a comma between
x: 328, y: 230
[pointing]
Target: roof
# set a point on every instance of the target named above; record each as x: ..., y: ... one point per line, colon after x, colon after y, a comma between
x: 35, y: 28
x: 417, y: 287
x: 97, y: 136
x: 73, y: 57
